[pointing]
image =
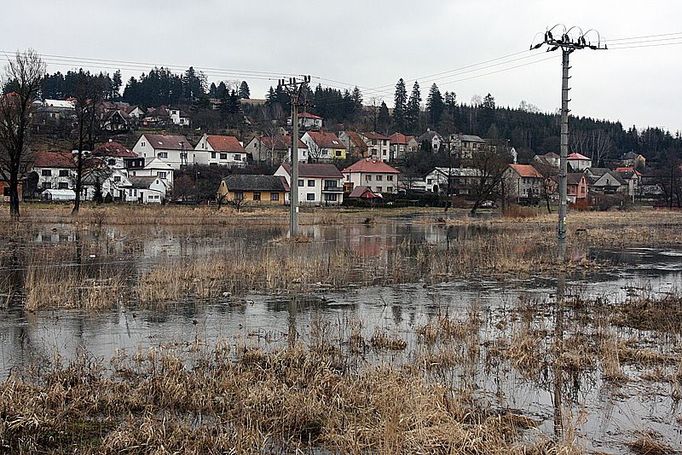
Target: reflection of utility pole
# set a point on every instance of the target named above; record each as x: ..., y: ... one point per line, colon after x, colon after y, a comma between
x: 558, y: 350
x: 294, y: 89
x: 571, y: 39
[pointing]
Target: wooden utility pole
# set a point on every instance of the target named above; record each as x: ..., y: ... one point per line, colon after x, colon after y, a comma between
x: 294, y: 90
x: 570, y: 40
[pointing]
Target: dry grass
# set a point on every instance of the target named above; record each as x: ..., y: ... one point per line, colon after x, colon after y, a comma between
x: 649, y: 443
x: 651, y: 313
x: 246, y: 401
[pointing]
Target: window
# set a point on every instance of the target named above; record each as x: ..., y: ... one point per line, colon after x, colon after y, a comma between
x: 237, y: 157
x: 256, y: 195
x: 379, y: 189
x: 311, y: 182
x: 379, y: 178
x: 239, y: 196
x: 130, y: 192
x: 213, y: 164
x: 161, y: 174
x: 368, y: 178
x: 142, y: 144
x: 330, y: 183
x: 300, y: 182
x: 223, y: 156
x: 274, y: 197
x: 338, y: 153
x: 47, y: 185
x: 331, y: 197
x: 310, y: 196
x: 63, y: 172
x: 384, y: 152
x: 63, y: 185
x: 389, y: 189
x: 162, y: 155
x: 111, y: 162
x: 117, y: 178
x: 46, y: 173
x: 213, y: 155
x: 429, y: 181
x: 389, y: 178
x: 5, y: 191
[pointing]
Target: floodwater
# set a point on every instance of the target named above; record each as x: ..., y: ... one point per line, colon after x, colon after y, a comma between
x: 606, y: 415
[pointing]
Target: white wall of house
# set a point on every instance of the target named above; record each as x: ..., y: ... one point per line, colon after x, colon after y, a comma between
x: 175, y: 158
x: 55, y: 178
x: 155, y: 168
x: 315, y: 190
x: 206, y: 155
x: 522, y: 187
x: 580, y: 165
x: 379, y: 149
x: 377, y: 182
x: 177, y: 118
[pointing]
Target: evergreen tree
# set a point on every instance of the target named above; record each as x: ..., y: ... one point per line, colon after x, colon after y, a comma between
x: 435, y: 106
x: 413, y: 110
x: 244, y: 91
x: 384, y: 120
x: 357, y: 99
x: 212, y: 90
x: 116, y: 84
x: 400, y: 105
x: 193, y: 85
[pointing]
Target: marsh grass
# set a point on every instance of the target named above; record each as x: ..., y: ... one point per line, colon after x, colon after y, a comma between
x: 249, y: 401
x: 649, y: 443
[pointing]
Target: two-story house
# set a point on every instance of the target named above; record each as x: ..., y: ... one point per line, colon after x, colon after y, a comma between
x: 431, y: 141
x: 55, y: 170
x: 355, y: 144
x: 275, y: 150
x: 174, y: 149
x: 308, y: 121
x: 579, y: 162
x: 324, y: 146
x: 523, y: 182
x: 378, y: 145
x: 136, y: 167
x: 454, y: 181
x: 113, y: 154
x: 318, y: 183
x: 401, y: 144
x: 215, y: 150
x: 375, y: 174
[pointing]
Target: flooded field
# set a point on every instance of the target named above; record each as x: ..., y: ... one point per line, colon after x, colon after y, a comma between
x: 583, y: 359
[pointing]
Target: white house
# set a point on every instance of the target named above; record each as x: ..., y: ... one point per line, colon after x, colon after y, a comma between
x: 113, y: 183
x: 375, y: 174
x: 136, y: 167
x: 55, y: 170
x: 174, y: 149
x: 318, y: 183
x: 217, y: 150
x: 378, y: 145
x: 147, y: 190
x: 461, y: 180
x: 579, y: 162
x: 307, y: 121
x: 523, y: 181
x: 548, y: 159
x: 178, y: 117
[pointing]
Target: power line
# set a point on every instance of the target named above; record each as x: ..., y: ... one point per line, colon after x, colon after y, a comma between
x: 642, y: 37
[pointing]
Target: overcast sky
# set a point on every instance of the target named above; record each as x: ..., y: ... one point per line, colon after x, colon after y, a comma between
x: 372, y: 44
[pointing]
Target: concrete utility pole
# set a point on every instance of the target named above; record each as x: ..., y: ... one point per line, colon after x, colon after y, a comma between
x: 294, y: 90
x: 568, y: 40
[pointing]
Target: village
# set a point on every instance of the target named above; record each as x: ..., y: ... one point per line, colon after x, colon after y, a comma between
x: 335, y: 168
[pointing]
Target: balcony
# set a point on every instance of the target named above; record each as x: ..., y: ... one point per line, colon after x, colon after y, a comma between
x: 332, y: 189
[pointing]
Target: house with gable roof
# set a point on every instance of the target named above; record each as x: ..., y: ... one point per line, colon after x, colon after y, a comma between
x: 216, y: 150
x: 400, y: 145
x: 579, y: 162
x: 174, y: 149
x: 114, y: 154
x: 378, y: 145
x: 324, y: 146
x: 318, y: 183
x: 275, y: 150
x: 355, y: 144
x: 523, y: 182
x: 55, y: 170
x: 379, y: 176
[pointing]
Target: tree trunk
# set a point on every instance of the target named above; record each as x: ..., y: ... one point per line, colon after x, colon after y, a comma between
x: 14, y: 196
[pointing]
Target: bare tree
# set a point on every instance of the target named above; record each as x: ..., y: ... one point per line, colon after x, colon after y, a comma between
x: 89, y: 93
x: 597, y: 144
x: 25, y: 72
x: 491, y: 165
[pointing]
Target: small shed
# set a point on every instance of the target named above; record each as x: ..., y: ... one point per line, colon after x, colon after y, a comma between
x: 58, y: 195
x: 364, y: 192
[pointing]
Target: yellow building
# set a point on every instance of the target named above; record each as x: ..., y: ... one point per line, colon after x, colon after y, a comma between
x: 258, y: 189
